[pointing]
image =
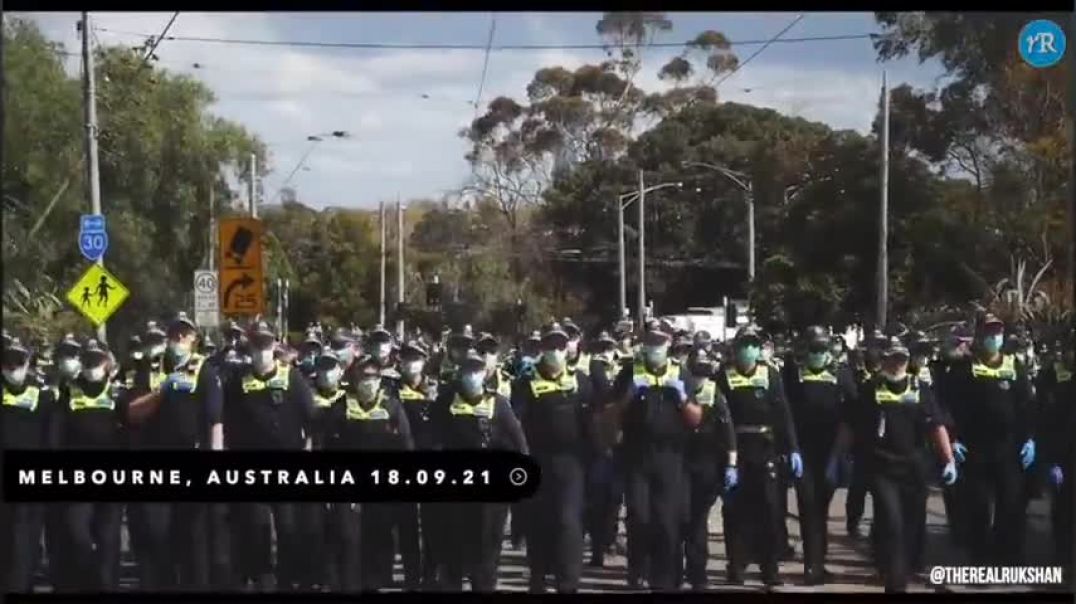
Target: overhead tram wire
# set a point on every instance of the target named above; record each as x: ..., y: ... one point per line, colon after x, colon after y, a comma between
x: 493, y: 48
x: 485, y: 64
x: 762, y: 48
x: 157, y: 40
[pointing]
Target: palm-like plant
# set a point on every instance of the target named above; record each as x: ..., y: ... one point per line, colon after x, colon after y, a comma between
x: 36, y: 313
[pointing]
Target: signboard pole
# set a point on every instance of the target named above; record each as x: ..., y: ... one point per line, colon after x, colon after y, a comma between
x: 90, y: 109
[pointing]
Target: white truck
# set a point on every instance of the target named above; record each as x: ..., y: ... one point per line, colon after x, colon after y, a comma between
x: 711, y: 319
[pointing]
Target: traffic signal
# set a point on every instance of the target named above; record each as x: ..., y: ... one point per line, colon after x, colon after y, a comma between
x: 730, y: 314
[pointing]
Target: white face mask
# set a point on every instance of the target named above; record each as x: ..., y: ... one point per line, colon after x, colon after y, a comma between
x: 94, y: 374
x: 137, y: 355
x: 573, y: 347
x: 367, y: 388
x: 262, y: 360
x: 555, y: 358
x: 69, y: 368
x: 412, y: 369
x: 16, y: 376
x: 491, y: 361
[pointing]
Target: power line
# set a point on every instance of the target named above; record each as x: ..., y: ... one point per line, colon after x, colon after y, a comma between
x: 759, y: 51
x: 157, y: 40
x: 485, y: 64
x: 499, y: 47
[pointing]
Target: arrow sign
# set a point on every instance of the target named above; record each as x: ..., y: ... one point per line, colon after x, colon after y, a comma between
x: 92, y: 237
x: 243, y: 282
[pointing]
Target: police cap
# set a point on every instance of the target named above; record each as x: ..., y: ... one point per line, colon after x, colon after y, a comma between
x: 703, y: 339
x: 604, y: 340
x: 311, y: 337
x: 988, y: 322
x: 571, y: 328
x: 233, y: 329
x: 260, y: 334
x: 473, y: 362
x: 378, y: 335
x: 816, y: 336
x: 134, y: 342
x: 749, y: 334
x: 68, y: 345
x: 919, y: 341
x: 894, y: 347
x: 656, y: 336
x: 15, y: 353
x: 555, y: 335
x: 413, y: 349
x: 93, y: 352
x: 154, y: 331
x: 367, y: 366
x: 462, y: 337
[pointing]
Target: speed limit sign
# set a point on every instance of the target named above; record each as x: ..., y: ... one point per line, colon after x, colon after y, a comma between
x: 206, y: 299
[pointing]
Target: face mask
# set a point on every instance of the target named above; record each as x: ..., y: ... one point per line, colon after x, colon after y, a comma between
x: 472, y: 384
x: 138, y: 356
x: 748, y: 355
x: 156, y: 351
x: 16, y: 376
x: 69, y: 368
x: 817, y: 360
x: 308, y: 362
x: 178, y: 352
x: 367, y: 388
x: 656, y: 355
x: 94, y: 374
x: 993, y: 343
x: 382, y: 351
x: 262, y: 360
x: 527, y: 360
x: 895, y: 376
x: 491, y: 362
x: 412, y: 369
x: 345, y: 355
x: 328, y: 380
x: 573, y: 347
x: 555, y: 358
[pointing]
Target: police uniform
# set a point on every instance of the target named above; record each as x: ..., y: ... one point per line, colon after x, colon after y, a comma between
x: 892, y: 421
x: 1058, y: 427
x: 25, y: 423
x: 856, y: 497
x: 268, y: 411
x: 764, y: 432
x: 817, y: 397
x: 90, y: 416
x: 604, y: 487
x: 654, y: 440
x: 553, y: 407
x: 377, y: 424
x: 469, y: 542
x: 993, y: 417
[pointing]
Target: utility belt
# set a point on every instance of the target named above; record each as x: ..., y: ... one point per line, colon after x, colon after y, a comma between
x: 755, y: 429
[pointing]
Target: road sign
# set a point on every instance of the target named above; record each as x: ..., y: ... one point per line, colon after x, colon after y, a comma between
x: 92, y: 236
x: 241, y: 285
x: 98, y: 294
x: 206, y: 299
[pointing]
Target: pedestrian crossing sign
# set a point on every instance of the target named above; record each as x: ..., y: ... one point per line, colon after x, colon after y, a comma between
x: 98, y: 294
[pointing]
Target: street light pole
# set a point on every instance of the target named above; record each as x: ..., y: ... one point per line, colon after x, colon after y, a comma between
x: 622, y: 204
x: 621, y: 263
x: 745, y: 184
x: 642, y: 250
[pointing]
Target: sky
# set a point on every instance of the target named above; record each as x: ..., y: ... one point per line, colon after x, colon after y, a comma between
x: 403, y: 108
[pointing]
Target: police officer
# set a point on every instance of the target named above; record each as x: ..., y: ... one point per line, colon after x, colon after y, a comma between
x: 819, y: 389
x: 417, y: 393
x: 856, y: 498
x: 625, y: 348
x: 499, y: 381
x: 895, y: 419
x: 371, y: 419
x: 681, y: 348
x: 604, y: 489
x: 25, y: 423
x: 578, y: 357
x: 655, y: 435
x: 91, y: 417
x: 466, y: 416
x: 136, y: 352
x: 764, y: 431
x: 457, y: 347
x: 269, y: 406
x: 1059, y: 425
x: 309, y: 351
x: 553, y: 407
x: 68, y: 365
x: 379, y: 345
x: 187, y: 408
x: 994, y: 421
x: 710, y: 463
x: 325, y: 564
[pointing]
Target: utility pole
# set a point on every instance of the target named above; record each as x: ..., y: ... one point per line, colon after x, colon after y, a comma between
x: 89, y: 98
x: 883, y: 223
x: 399, y: 269
x: 212, y: 249
x: 381, y: 224
x: 287, y: 295
x: 621, y: 262
x: 642, y: 249
x: 253, y: 185
x: 750, y: 190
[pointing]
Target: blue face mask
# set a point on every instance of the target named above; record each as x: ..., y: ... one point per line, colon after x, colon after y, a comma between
x: 993, y: 343
x: 748, y: 355
x: 472, y: 384
x: 817, y: 360
x: 656, y: 355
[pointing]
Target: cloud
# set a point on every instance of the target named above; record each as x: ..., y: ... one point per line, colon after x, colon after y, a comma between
x: 405, y: 107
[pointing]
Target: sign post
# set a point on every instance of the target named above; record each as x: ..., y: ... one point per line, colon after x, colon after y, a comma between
x: 206, y: 299
x: 241, y: 283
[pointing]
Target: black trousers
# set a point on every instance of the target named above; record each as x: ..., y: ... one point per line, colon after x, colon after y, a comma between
x: 705, y: 481
x: 813, y: 496
x: 604, y: 495
x: 751, y: 516
x: 175, y: 548
x: 1061, y: 514
x: 381, y: 522
x: 855, y: 502
x: 469, y: 545
x: 555, y: 524
x: 347, y: 519
x: 57, y: 551
x: 21, y: 528
x: 900, y: 504
x: 92, y: 536
x: 999, y: 483
x: 654, y: 491
x: 254, y: 524
x: 221, y: 570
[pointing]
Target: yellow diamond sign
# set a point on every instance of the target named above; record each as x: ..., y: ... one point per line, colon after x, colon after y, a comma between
x: 98, y: 294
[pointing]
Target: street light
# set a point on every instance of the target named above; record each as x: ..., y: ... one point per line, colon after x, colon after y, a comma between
x: 623, y: 202
x: 743, y: 181
x: 314, y: 140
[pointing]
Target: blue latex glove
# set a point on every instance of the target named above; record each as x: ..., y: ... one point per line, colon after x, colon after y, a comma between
x: 833, y: 470
x: 1057, y: 477
x: 732, y: 478
x: 677, y: 385
x: 960, y: 452
x: 949, y: 473
x: 796, y: 462
x: 1027, y: 453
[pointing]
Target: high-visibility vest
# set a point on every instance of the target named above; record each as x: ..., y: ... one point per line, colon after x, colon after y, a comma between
x: 883, y: 396
x: 79, y: 401
x: 565, y: 383
x: 279, y: 381
x: 356, y: 412
x: 738, y: 381
x: 706, y: 393
x: 482, y: 409
x: 324, y: 402
x: 582, y: 364
x: 672, y: 372
x: 1062, y: 373
x: 825, y: 376
x: 504, y: 385
x: 27, y: 400
x: 156, y: 378
x: 187, y: 380
x: 1006, y: 372
x: 407, y: 393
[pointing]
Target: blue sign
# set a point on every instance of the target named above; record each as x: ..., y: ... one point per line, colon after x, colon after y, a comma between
x: 92, y: 237
x: 1042, y: 43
